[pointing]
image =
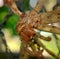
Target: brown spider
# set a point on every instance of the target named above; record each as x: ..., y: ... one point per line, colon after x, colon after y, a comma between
x: 32, y: 20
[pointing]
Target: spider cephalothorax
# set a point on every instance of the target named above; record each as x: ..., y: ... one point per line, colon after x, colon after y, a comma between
x: 27, y: 24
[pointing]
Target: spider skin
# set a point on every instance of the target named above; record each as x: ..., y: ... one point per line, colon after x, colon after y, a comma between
x: 28, y: 22
x: 26, y: 25
x: 9, y: 2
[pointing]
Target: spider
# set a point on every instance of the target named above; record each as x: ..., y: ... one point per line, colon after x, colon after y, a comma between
x: 32, y: 20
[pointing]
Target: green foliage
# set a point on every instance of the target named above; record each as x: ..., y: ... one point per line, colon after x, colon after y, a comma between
x: 25, y: 5
x: 3, y: 12
x: 11, y: 22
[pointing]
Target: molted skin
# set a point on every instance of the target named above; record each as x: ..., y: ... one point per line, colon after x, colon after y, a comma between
x: 25, y: 26
x: 12, y: 5
x: 9, y: 2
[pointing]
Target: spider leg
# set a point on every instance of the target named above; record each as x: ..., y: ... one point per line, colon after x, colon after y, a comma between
x: 42, y: 37
x: 23, y: 50
x: 51, y: 17
x: 13, y: 6
x: 43, y: 46
x: 34, y: 52
x: 39, y: 5
x: 49, y: 28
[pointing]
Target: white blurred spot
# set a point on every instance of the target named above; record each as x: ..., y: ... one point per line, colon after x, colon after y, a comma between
x: 50, y: 4
x: 46, y: 54
x: 56, y: 24
x: 33, y: 3
x: 1, y: 3
x: 13, y: 42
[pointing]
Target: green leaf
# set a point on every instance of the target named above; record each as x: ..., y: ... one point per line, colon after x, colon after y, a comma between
x: 11, y: 22
x: 25, y: 5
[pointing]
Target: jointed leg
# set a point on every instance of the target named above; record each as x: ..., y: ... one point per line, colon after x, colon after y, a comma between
x: 49, y: 28
x: 51, y: 17
x: 39, y: 5
x: 12, y: 5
